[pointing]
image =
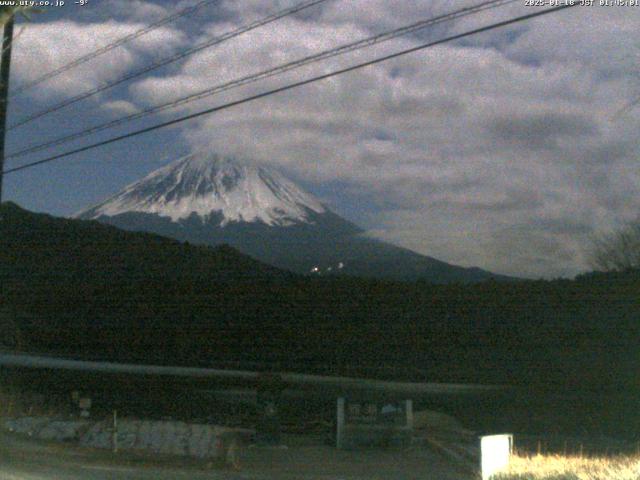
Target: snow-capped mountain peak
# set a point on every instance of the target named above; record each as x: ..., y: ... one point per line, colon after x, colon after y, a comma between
x: 207, y: 184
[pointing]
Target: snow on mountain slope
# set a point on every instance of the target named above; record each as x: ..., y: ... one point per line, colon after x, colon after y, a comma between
x: 205, y: 199
x: 205, y: 184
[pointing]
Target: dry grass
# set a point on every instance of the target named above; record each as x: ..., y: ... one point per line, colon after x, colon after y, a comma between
x: 558, y: 467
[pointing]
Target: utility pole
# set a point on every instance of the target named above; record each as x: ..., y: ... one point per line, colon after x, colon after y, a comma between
x: 5, y: 66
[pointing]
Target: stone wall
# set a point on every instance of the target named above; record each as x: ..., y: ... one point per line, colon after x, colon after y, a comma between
x: 159, y: 437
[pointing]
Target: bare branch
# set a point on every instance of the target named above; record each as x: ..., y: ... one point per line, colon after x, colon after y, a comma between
x: 617, y: 251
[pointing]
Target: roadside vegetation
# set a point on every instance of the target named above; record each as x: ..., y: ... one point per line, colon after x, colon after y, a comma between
x: 559, y: 467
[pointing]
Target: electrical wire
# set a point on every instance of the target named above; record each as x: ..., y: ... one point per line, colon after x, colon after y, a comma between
x: 295, y: 85
x: 107, y: 48
x: 168, y: 60
x: 252, y: 78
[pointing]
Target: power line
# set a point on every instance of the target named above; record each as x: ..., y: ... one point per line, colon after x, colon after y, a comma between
x: 166, y: 61
x: 295, y: 85
x: 107, y: 48
x: 350, y: 47
x: 5, y: 67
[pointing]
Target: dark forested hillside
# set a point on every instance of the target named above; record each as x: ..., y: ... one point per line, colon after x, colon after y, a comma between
x: 82, y: 288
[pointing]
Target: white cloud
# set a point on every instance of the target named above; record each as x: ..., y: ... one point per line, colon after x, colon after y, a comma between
x: 47, y: 46
x: 140, y: 10
x: 502, y: 153
x: 121, y: 107
x: 601, y: 39
x: 475, y: 155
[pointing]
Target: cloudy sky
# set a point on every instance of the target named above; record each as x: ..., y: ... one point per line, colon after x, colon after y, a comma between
x: 506, y: 150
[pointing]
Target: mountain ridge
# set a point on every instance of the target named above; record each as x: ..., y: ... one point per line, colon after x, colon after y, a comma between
x: 206, y: 199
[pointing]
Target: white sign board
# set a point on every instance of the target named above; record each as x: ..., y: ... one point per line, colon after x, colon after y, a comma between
x: 495, y: 451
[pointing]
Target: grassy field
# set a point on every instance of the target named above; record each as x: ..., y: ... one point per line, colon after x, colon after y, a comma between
x: 557, y: 467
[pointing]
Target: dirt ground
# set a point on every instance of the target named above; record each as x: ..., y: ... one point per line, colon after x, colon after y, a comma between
x: 325, y: 462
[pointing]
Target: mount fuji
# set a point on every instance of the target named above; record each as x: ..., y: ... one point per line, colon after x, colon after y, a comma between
x: 212, y: 200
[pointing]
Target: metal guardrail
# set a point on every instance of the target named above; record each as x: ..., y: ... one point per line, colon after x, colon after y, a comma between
x: 28, y: 361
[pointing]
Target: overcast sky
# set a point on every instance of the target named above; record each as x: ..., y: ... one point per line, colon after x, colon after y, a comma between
x: 503, y: 151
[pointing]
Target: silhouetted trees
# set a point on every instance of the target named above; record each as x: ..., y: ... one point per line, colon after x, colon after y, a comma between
x: 617, y: 251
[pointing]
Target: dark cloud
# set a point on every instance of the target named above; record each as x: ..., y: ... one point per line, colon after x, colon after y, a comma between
x: 541, y: 130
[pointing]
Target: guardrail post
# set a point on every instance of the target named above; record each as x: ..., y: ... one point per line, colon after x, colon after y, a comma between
x: 340, y: 423
x: 270, y: 387
x: 408, y: 407
x: 115, y: 432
